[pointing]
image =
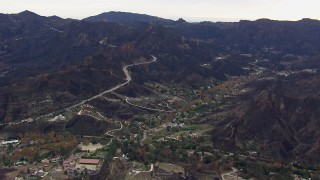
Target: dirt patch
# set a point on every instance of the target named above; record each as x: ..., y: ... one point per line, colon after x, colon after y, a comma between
x: 90, y: 147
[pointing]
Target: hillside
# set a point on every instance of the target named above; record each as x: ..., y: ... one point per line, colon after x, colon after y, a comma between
x: 280, y: 121
x: 251, y: 85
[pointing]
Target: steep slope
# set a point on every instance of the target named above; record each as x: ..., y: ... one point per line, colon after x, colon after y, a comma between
x: 281, y: 121
x: 49, y: 69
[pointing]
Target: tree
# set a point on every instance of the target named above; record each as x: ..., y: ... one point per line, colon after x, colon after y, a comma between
x: 28, y: 170
x: 131, y: 155
x: 94, y: 141
x: 152, y: 157
x: 52, y: 135
x: 146, y: 162
x: 10, y: 147
x: 37, y: 157
x: 113, y: 147
x: 20, y: 135
x: 85, y: 171
x: 207, y: 160
x: 63, y: 151
x: 5, y: 161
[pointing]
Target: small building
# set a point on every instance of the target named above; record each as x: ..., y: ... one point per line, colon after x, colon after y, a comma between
x: 89, y: 161
x: 90, y: 164
x: 20, y: 163
x: 55, y: 160
x: 10, y: 142
x: 29, y: 120
x: 40, y: 173
x: 68, y: 164
x: 194, y: 135
x: 118, y: 151
x: 253, y: 153
x: 45, y: 161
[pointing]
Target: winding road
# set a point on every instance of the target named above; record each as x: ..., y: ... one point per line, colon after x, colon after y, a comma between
x: 112, y: 131
x: 146, y: 108
x: 128, y: 80
x: 230, y: 175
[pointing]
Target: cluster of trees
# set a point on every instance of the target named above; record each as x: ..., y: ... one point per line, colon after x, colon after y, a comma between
x: 36, y: 146
x: 151, y: 123
x: 114, y: 145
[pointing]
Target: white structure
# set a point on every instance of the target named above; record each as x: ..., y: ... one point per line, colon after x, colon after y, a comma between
x: 10, y: 142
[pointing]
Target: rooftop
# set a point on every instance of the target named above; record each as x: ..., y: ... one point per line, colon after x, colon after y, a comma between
x: 89, y: 161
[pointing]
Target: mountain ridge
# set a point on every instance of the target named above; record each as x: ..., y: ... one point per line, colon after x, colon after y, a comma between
x: 50, y: 63
x: 127, y: 18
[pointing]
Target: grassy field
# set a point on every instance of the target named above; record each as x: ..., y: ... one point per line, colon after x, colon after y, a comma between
x: 173, y: 168
x: 142, y: 176
x: 140, y: 166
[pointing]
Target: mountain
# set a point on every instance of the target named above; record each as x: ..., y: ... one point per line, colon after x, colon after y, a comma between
x: 48, y: 64
x: 127, y: 18
x: 280, y: 121
x: 65, y: 61
x: 51, y: 49
x: 26, y: 22
x: 275, y: 38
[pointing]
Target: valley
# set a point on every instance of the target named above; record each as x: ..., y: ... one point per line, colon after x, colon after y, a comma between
x: 161, y: 99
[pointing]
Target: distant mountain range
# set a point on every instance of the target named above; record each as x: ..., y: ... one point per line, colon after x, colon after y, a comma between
x: 127, y: 18
x: 289, y: 36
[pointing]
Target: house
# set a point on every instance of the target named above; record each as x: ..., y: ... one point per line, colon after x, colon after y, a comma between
x: 190, y: 152
x: 118, y: 151
x: 20, y: 163
x: 55, y: 160
x: 253, y: 153
x: 45, y: 161
x: 194, y: 135
x: 207, y: 154
x: 123, y: 158
x: 68, y: 164
x: 40, y: 173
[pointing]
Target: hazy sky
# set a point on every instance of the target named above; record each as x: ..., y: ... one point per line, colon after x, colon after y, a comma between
x: 192, y: 10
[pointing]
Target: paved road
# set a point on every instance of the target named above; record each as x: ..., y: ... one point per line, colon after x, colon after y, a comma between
x: 142, y: 107
x: 112, y: 131
x: 144, y: 136
x: 230, y: 175
x: 128, y: 80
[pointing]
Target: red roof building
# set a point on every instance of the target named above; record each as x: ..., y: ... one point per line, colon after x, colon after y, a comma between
x: 89, y: 161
